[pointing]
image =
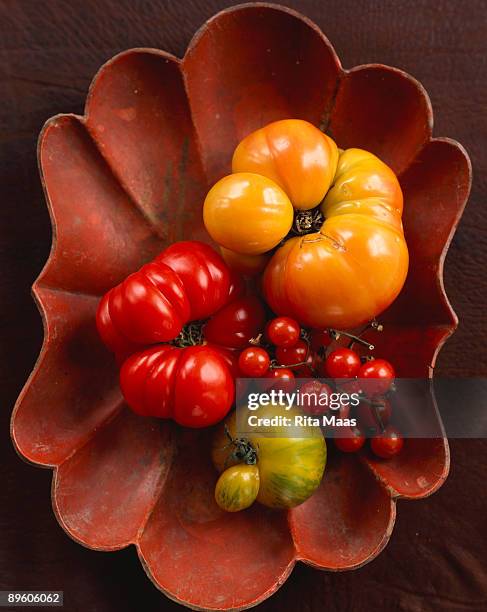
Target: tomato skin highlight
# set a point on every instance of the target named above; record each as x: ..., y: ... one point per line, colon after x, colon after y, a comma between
x: 237, y: 487
x: 187, y: 281
x: 193, y: 386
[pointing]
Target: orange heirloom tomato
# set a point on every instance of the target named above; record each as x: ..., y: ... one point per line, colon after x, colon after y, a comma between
x: 355, y: 266
x: 294, y: 154
x: 248, y: 265
x: 247, y: 213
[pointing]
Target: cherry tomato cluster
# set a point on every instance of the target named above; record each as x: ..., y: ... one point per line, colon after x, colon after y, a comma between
x: 286, y: 353
x: 292, y: 355
x: 373, y: 379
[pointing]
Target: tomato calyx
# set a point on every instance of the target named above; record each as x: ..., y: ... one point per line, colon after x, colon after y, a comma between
x: 190, y: 335
x: 244, y: 452
x: 307, y: 221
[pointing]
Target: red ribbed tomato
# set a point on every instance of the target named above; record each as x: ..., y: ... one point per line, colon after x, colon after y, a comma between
x: 186, y: 282
x: 193, y: 385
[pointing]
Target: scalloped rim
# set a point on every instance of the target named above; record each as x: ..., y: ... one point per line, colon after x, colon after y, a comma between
x: 449, y: 329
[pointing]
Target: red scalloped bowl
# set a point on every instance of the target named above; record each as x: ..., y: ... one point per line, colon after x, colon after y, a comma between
x: 128, y: 178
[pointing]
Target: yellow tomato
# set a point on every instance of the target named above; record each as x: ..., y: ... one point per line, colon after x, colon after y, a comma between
x: 237, y: 487
x: 355, y: 266
x: 294, y: 154
x: 247, y: 213
x: 248, y: 265
x: 290, y: 461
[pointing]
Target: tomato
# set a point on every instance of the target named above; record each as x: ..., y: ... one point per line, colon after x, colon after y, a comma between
x: 349, y: 439
x: 283, y: 331
x: 206, y: 278
x: 290, y: 463
x: 236, y: 323
x: 247, y: 265
x: 247, y: 213
x: 320, y: 338
x: 354, y: 267
x: 281, y: 379
x: 229, y: 356
x: 186, y: 282
x: 237, y: 487
x: 293, y: 354
x: 314, y: 397
x: 149, y: 306
x: 298, y: 353
x: 342, y: 363
x: 193, y: 385
x: 387, y: 444
x: 376, y: 377
x: 294, y: 154
x: 254, y: 362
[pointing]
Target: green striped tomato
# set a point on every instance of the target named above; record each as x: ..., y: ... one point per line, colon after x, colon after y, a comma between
x: 290, y: 466
x: 237, y: 487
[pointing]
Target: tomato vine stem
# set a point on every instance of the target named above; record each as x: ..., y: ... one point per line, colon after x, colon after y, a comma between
x: 244, y: 451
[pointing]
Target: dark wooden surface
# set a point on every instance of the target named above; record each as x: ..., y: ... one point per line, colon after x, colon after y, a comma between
x: 49, y: 50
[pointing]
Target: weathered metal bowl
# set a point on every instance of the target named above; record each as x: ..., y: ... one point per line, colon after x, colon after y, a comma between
x: 128, y: 178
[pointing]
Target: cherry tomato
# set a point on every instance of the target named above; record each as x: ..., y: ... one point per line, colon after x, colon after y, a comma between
x: 237, y: 487
x: 191, y: 385
x: 236, y: 323
x: 254, y: 362
x: 283, y: 331
x: 349, y: 439
x: 282, y: 379
x: 342, y: 363
x: 312, y: 400
x: 299, y: 353
x: 288, y: 355
x: 375, y: 416
x: 320, y: 338
x: 376, y: 377
x: 387, y: 444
